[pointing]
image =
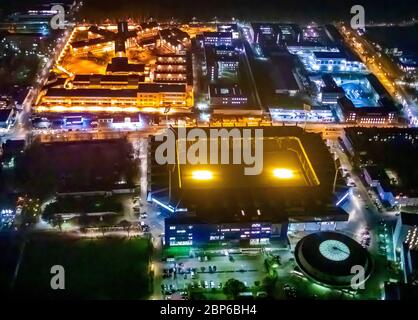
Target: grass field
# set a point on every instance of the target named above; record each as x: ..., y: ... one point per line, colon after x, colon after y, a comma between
x: 94, y: 269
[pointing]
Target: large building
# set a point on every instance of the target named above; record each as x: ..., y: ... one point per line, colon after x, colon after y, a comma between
x: 101, y: 81
x: 330, y: 91
x: 6, y: 118
x: 366, y: 101
x: 335, y: 62
x: 405, y: 242
x: 226, y: 95
x: 171, y: 68
x: 387, y: 157
x: 219, y: 203
x: 158, y: 97
x: 271, y: 34
x: 121, y: 66
x: 174, y: 40
x: 221, y: 62
x: 217, y: 39
x: 101, y: 40
x: 328, y: 258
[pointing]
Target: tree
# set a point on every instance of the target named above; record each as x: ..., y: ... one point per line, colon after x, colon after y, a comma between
x: 269, y: 284
x: 103, y: 225
x: 57, y: 221
x: 233, y: 287
x: 126, y: 225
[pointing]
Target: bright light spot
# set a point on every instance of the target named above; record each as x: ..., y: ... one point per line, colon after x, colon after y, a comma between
x: 202, y: 175
x: 283, y: 173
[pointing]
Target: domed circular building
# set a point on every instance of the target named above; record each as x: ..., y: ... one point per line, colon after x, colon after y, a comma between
x: 328, y: 258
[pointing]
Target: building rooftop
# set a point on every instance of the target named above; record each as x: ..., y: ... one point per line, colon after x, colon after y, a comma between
x: 231, y: 195
x: 409, y: 219
x: 5, y: 114
x: 149, y: 25
x: 158, y: 87
x: 282, y: 73
x: 89, y: 42
x: 217, y: 34
x: 57, y: 92
x: 218, y: 90
x: 329, y: 55
x: 121, y: 64
x: 102, y: 78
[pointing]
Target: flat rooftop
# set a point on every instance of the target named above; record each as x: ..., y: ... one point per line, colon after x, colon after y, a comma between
x: 296, y: 181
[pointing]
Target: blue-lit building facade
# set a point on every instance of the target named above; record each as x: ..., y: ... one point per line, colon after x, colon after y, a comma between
x: 181, y: 230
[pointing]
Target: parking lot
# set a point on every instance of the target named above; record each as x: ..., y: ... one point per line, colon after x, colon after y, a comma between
x: 211, y: 272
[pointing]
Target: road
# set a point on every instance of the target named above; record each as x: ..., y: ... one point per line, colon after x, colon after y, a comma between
x: 362, y: 210
x: 22, y: 126
x: 384, y: 69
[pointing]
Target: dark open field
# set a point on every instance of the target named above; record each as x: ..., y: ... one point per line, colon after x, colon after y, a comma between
x: 94, y: 269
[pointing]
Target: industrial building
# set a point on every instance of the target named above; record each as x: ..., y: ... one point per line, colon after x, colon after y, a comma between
x: 367, y: 103
x: 405, y: 242
x: 101, y: 40
x: 110, y: 81
x: 226, y: 95
x: 217, y: 38
x: 221, y: 62
x: 218, y: 203
x: 121, y: 66
x: 158, y: 96
x: 271, y: 34
x: 173, y: 68
x: 394, y: 181
x: 174, y: 40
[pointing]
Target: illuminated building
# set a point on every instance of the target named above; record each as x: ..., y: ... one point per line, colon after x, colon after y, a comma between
x: 174, y: 39
x: 368, y: 103
x: 228, y: 27
x: 226, y: 95
x: 181, y: 230
x: 391, y: 180
x: 121, y: 66
x: 173, y: 68
x: 217, y: 38
x: 148, y: 29
x: 329, y: 257
x: 387, y: 188
x: 33, y: 21
x: 162, y: 95
x: 156, y: 96
x: 405, y: 242
x: 105, y: 40
x: 110, y: 81
x: 408, y: 62
x: 6, y: 117
x: 96, y: 46
x: 271, y: 34
x: 330, y: 91
x: 334, y: 61
x: 221, y: 62
x: 218, y: 203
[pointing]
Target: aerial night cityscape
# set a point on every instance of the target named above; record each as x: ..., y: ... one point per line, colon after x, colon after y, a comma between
x: 231, y: 151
